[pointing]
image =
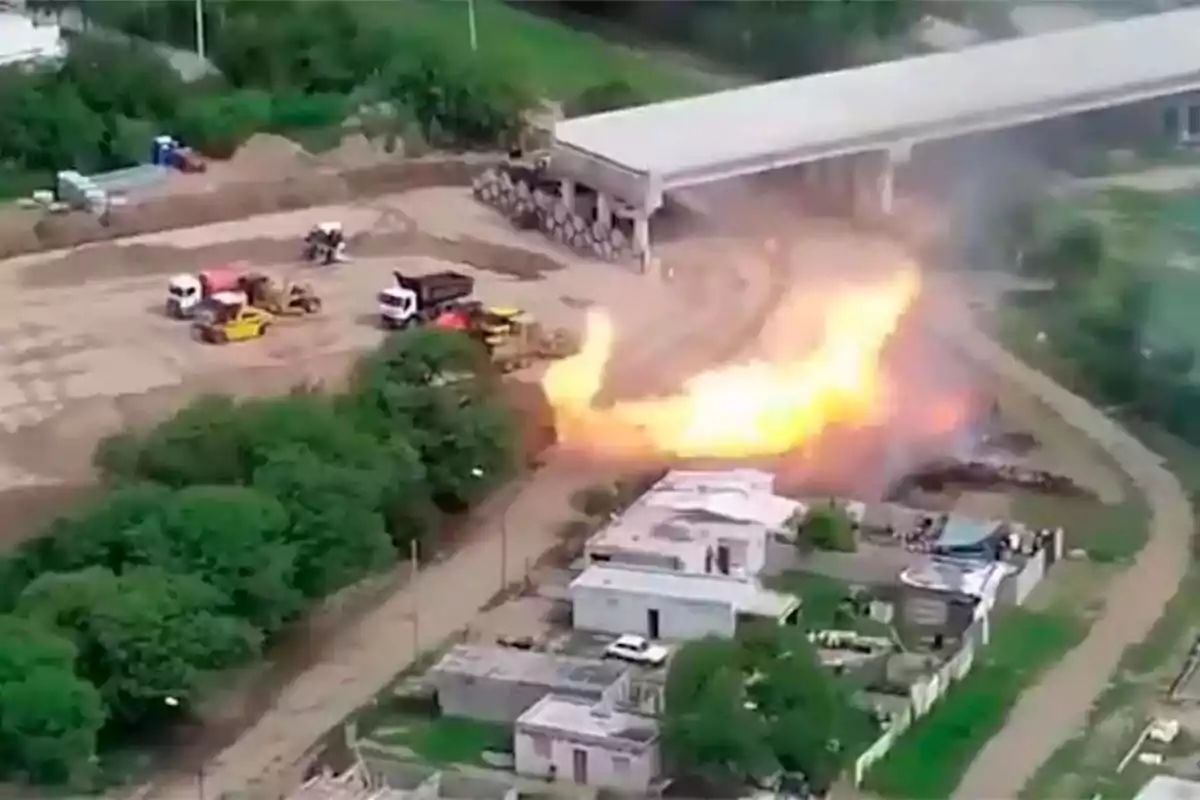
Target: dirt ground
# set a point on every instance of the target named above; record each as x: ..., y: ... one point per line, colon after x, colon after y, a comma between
x: 85, y: 348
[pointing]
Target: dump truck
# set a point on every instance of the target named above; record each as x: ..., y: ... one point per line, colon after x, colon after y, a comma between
x: 186, y: 293
x: 287, y: 300
x: 512, y: 337
x: 421, y: 298
x: 229, y: 317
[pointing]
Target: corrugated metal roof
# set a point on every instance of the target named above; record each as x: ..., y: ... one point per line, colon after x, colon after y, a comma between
x: 895, y: 97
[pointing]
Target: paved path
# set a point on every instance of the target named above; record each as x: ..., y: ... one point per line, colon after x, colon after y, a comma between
x: 1053, y: 711
x: 445, y: 597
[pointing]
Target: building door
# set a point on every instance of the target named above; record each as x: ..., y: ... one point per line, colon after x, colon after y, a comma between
x: 579, y: 766
x: 652, y: 629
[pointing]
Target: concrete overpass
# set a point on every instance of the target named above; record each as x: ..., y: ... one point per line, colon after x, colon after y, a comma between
x: 632, y: 156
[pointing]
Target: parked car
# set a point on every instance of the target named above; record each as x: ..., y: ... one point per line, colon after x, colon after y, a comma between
x: 637, y: 650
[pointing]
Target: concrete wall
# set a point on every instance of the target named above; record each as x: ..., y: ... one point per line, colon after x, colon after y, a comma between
x: 923, y: 696
x: 616, y: 612
x: 540, y: 756
x: 492, y: 700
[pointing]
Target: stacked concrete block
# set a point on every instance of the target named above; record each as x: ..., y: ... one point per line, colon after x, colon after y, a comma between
x: 530, y: 207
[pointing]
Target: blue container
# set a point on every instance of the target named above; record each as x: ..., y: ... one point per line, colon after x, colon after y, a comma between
x: 161, y: 150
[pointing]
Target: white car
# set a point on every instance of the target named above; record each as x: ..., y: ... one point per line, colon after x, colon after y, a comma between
x: 637, y: 650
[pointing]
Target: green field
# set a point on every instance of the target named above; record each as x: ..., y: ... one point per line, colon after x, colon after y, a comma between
x: 930, y: 759
x: 559, y: 62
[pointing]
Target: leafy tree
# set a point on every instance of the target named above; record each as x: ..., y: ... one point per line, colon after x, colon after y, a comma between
x: 828, y: 528
x: 753, y: 705
x: 235, y: 538
x: 336, y: 523
x: 107, y: 532
x: 214, y: 440
x: 708, y: 728
x: 49, y: 718
x: 420, y: 382
x: 144, y: 636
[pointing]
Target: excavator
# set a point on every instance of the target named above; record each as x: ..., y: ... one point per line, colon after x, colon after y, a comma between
x: 512, y: 337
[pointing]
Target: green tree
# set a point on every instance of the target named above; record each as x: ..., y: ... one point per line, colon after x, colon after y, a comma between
x: 750, y: 706
x: 336, y: 522
x: 235, y: 539
x: 49, y: 718
x: 106, y: 532
x: 708, y: 728
x: 432, y: 386
x: 1071, y: 257
x: 828, y: 527
x: 143, y: 636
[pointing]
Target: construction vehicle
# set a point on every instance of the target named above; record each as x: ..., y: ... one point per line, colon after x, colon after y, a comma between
x: 512, y: 337
x: 288, y: 300
x: 419, y: 299
x: 229, y: 317
x: 325, y: 244
x: 186, y: 293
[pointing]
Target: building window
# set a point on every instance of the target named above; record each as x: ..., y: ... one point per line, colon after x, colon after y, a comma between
x: 1193, y: 122
x: 620, y: 765
x: 1171, y: 122
x: 541, y: 745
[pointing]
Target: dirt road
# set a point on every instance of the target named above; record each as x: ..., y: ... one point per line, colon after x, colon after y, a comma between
x: 1054, y: 710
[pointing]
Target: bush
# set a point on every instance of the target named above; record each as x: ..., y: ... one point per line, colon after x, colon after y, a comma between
x: 217, y: 125
x: 292, y: 111
x: 829, y: 528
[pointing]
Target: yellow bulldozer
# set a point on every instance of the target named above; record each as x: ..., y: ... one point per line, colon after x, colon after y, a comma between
x: 514, y: 339
x: 287, y: 300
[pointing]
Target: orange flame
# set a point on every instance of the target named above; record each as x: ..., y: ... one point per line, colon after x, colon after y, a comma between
x: 757, y: 408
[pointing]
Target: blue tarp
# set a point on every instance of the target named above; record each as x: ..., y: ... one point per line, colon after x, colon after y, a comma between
x: 959, y: 535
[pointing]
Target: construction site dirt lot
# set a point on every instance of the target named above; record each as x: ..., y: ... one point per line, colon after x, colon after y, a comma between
x: 85, y: 348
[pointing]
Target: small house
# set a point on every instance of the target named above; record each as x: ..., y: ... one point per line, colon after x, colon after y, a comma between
x: 668, y: 605
x: 497, y: 684
x: 568, y: 739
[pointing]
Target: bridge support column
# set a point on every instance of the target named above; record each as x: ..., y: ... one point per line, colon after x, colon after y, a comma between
x: 641, y: 238
x: 873, y: 178
x: 566, y: 190
x: 604, y: 210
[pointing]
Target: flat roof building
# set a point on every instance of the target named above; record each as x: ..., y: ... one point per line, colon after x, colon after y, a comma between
x: 699, y: 523
x: 666, y: 605
x: 498, y: 684
x: 562, y: 738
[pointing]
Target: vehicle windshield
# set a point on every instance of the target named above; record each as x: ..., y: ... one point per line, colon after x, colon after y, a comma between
x: 392, y: 301
x: 180, y: 291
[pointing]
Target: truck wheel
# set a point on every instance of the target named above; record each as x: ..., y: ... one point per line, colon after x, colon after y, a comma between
x: 262, y: 329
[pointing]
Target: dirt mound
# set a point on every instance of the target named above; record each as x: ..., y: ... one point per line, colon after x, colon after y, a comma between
x: 30, y: 233
x: 357, y: 151
x: 270, y: 155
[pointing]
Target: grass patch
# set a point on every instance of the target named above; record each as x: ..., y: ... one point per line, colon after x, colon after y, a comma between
x: 558, y: 61
x: 930, y: 759
x: 444, y: 740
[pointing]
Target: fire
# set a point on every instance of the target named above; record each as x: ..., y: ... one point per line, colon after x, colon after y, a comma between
x: 757, y: 408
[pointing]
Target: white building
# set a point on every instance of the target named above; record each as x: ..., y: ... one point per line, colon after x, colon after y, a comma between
x: 665, y: 605
x: 21, y: 41
x: 697, y: 522
x: 568, y: 739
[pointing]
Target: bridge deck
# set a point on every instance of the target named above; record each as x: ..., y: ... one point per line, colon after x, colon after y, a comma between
x: 688, y: 141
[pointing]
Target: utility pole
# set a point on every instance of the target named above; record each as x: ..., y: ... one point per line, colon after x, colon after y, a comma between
x: 414, y: 549
x: 200, y: 28
x: 470, y: 25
